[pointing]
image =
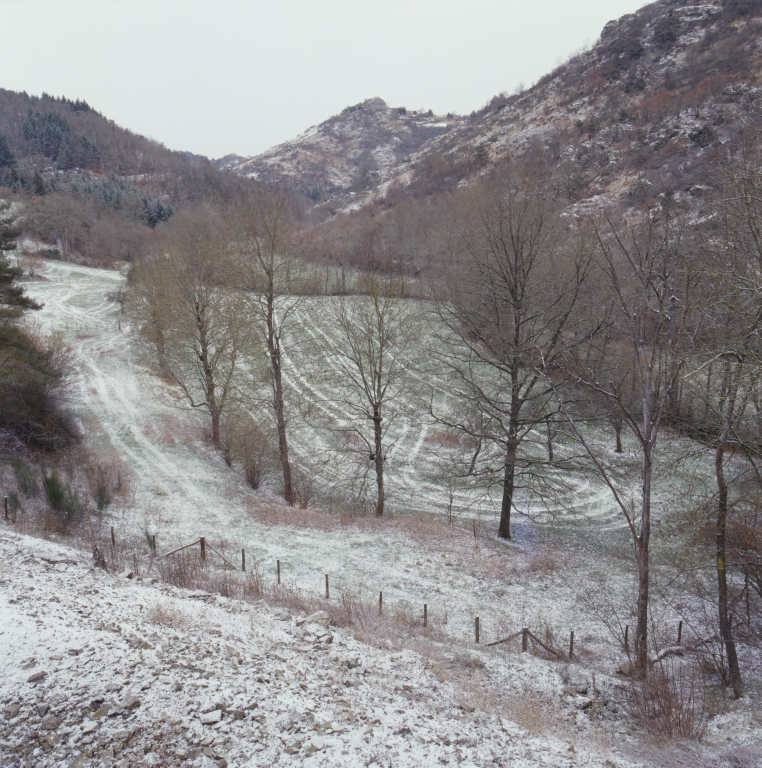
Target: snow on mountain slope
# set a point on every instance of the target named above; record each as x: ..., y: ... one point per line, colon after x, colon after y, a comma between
x: 645, y: 112
x: 346, y: 153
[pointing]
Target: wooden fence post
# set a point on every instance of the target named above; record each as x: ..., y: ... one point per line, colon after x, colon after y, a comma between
x: 524, y: 639
x: 327, y: 590
x: 680, y: 633
x: 278, y: 562
x: 380, y: 602
x: 153, y: 543
x: 476, y: 629
x: 425, y: 615
x: 571, y: 645
x: 113, y: 538
x: 626, y: 638
x: 202, y: 541
x: 243, y: 560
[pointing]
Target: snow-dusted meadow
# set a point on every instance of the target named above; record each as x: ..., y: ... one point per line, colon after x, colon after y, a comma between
x: 181, y: 489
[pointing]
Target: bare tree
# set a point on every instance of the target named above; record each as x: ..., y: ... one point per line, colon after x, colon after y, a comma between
x: 376, y: 334
x: 729, y: 421
x: 196, y: 325
x: 513, y: 306
x: 267, y: 251
x: 652, y: 278
x: 59, y: 217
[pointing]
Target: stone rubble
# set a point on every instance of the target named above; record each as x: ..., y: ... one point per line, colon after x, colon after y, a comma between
x: 134, y: 674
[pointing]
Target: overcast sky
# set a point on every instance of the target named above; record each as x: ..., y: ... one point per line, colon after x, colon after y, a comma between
x: 235, y: 76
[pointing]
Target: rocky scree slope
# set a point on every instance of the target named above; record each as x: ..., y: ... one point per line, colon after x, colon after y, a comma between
x: 347, y: 154
x: 106, y: 669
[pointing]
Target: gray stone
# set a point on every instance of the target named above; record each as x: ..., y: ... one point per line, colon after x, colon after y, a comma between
x: 579, y: 684
x: 50, y: 722
x: 113, y: 687
x: 36, y: 677
x: 627, y: 668
x: 675, y: 650
x: 89, y: 727
x: 211, y: 717
x: 131, y: 702
x: 319, y: 617
x: 54, y: 559
x: 42, y: 709
x: 101, y: 712
x: 12, y: 710
x: 583, y: 702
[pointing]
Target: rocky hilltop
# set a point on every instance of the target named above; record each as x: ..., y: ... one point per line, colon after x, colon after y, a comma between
x: 642, y: 112
x: 346, y: 155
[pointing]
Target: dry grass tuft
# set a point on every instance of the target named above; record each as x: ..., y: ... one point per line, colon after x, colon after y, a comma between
x: 532, y: 711
x: 168, y: 615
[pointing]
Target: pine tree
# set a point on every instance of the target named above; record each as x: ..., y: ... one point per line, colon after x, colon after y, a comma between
x: 13, y: 302
x: 7, y: 158
x: 38, y: 185
x: 65, y: 157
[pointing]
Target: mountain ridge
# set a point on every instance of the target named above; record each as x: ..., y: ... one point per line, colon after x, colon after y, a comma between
x: 659, y: 92
x: 343, y: 156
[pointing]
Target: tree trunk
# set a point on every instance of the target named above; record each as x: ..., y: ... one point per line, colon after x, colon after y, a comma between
x: 548, y: 424
x: 726, y: 630
x: 511, y: 451
x: 274, y: 351
x: 280, y: 420
x: 379, y: 460
x: 618, y: 432
x: 216, y: 429
x: 209, y: 386
x: 641, y: 627
x: 509, y: 479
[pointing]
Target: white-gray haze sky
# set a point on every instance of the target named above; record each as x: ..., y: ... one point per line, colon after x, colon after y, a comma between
x: 236, y: 76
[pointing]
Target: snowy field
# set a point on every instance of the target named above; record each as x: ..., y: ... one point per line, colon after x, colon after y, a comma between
x: 181, y: 489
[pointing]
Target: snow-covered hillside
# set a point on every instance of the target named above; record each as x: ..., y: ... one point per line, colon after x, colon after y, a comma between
x: 101, y: 669
x: 182, y: 490
x: 406, y: 701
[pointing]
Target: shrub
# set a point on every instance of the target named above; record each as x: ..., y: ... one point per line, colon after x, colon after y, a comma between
x: 704, y: 136
x: 26, y: 477
x: 101, y: 484
x: 671, y: 702
x: 61, y: 498
x: 667, y: 30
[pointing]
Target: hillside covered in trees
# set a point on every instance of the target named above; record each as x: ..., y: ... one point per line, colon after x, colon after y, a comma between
x: 92, y: 190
